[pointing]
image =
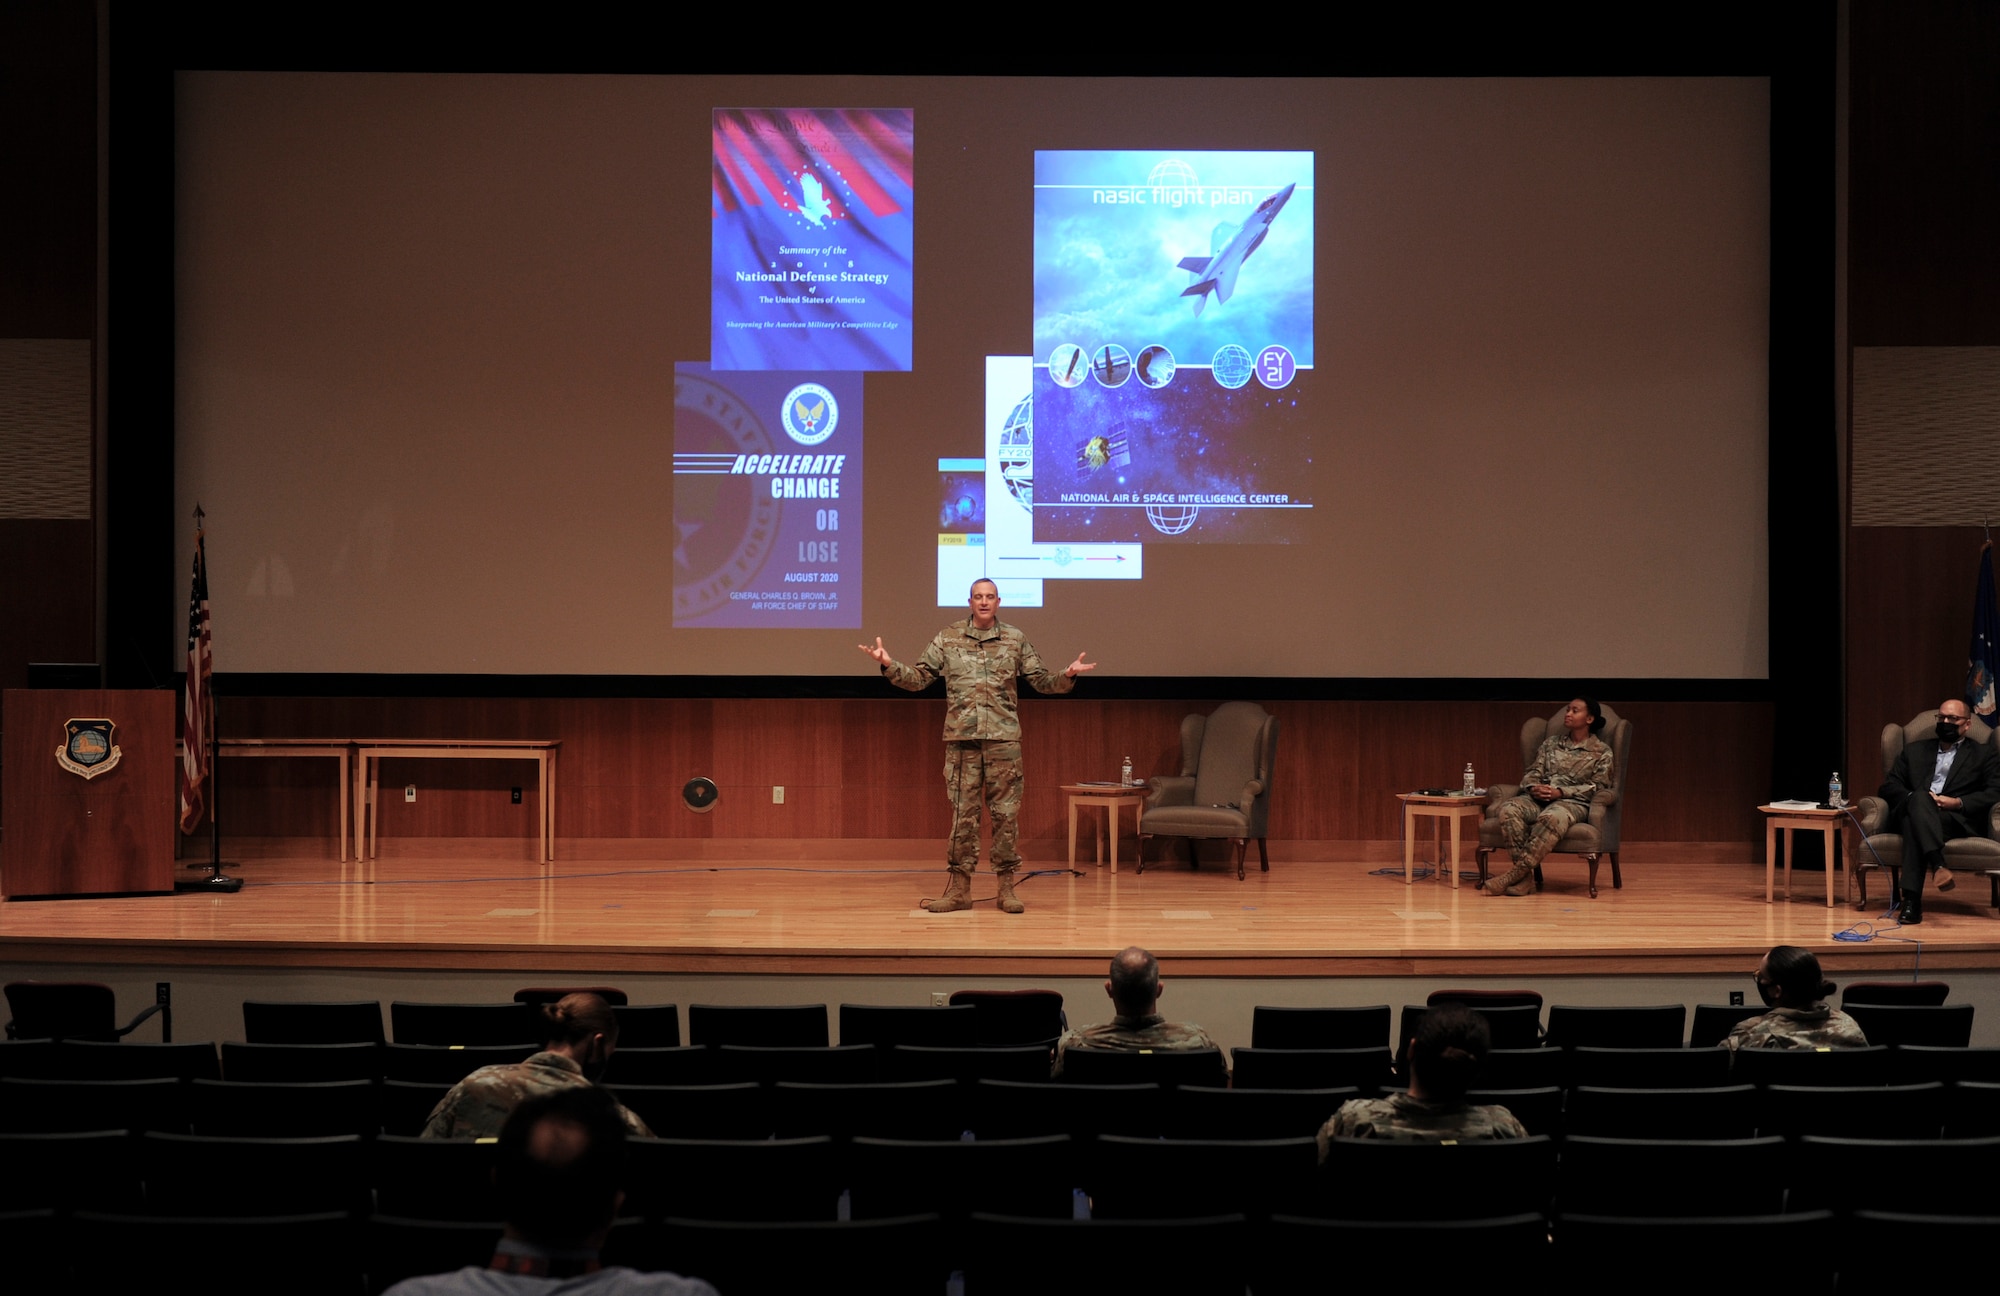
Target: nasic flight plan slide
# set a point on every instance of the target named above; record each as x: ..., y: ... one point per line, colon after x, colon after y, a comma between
x: 767, y: 499
x: 1173, y: 347
x: 812, y: 238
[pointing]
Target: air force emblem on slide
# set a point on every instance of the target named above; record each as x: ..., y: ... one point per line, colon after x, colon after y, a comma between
x: 89, y: 748
x: 810, y: 414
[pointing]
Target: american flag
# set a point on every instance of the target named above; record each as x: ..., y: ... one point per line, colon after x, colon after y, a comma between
x: 197, y: 711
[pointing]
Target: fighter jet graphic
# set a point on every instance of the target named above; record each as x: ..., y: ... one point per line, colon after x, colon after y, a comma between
x: 1229, y: 247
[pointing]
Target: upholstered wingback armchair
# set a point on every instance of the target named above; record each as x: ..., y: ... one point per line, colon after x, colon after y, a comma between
x: 1224, y: 788
x: 1595, y: 836
x: 1882, y: 846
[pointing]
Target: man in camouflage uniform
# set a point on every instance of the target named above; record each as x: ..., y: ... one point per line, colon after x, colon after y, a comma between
x: 1790, y: 982
x: 584, y: 1036
x: 1568, y: 770
x: 1445, y: 1056
x: 1134, y: 988
x: 981, y: 661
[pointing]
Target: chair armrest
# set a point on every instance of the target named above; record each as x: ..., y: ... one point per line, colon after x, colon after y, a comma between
x: 1501, y: 792
x: 1608, y: 797
x: 1171, y: 790
x: 1251, y: 791
x: 1873, y: 813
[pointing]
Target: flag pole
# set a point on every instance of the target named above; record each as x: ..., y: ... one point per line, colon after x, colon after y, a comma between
x: 201, y: 703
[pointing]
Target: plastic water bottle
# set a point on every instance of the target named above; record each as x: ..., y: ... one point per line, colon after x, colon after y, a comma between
x: 1470, y: 781
x: 1125, y: 774
x: 1833, y: 791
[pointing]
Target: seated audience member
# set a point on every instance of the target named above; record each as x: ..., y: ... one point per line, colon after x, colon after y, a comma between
x: 581, y: 1034
x: 1445, y: 1056
x: 561, y: 1161
x: 1791, y: 985
x: 1135, y: 989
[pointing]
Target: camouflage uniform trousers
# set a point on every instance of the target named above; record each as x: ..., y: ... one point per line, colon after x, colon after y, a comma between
x: 988, y: 774
x: 1532, y: 829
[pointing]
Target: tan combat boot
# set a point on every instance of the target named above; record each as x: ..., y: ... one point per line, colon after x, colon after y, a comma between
x: 957, y: 893
x: 1516, y: 881
x: 1009, y: 902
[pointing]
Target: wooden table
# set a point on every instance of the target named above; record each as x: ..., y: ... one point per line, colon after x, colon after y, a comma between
x: 1779, y: 824
x: 339, y: 749
x: 371, y: 751
x: 1422, y: 805
x: 1111, y: 797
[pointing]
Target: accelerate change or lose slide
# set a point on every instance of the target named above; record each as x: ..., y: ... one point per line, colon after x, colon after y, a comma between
x: 1173, y: 346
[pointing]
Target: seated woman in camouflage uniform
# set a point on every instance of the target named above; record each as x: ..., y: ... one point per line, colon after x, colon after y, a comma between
x: 1568, y: 770
x: 1445, y: 1056
x: 581, y: 1033
x: 1790, y: 982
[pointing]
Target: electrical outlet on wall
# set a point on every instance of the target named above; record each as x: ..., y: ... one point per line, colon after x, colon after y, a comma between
x: 777, y: 795
x: 939, y: 999
x: 410, y: 792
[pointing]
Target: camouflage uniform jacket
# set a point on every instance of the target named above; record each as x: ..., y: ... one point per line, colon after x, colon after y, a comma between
x: 1133, y: 1035
x: 1816, y: 1027
x: 980, y: 670
x: 478, y: 1105
x: 1399, y: 1116
x: 1579, y: 770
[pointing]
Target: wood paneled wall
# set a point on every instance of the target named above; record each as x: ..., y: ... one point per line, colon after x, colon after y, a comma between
x: 871, y: 769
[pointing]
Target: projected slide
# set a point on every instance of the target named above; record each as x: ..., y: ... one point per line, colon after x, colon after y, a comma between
x: 1173, y: 347
x: 767, y: 499
x: 811, y: 238
x: 962, y: 538
x: 1010, y: 492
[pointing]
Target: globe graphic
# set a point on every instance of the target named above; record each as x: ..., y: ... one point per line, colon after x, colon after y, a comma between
x: 1232, y: 366
x: 1017, y: 451
x: 1172, y: 173
x: 1171, y: 519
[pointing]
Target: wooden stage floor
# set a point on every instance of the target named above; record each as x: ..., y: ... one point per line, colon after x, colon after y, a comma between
x: 1312, y: 919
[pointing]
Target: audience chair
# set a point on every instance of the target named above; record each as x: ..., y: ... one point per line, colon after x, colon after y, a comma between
x: 284, y: 1110
x: 399, y: 1247
x: 1649, y: 1068
x: 1653, y: 1026
x: 1514, y: 1026
x: 38, y: 1257
x: 815, y: 1064
x: 921, y: 1062
x: 1896, y: 1025
x: 1915, y: 1063
x: 1486, y: 998
x: 883, y: 1257
x: 537, y: 995
x: 1539, y: 1110
x: 1143, y: 1178
x: 1661, y: 1257
x: 1089, y: 1257
x: 1596, y: 835
x: 954, y: 1177
x: 433, y: 1178
x: 438, y: 1064
x: 758, y: 1025
x: 317, y: 1255
x: 684, y: 1064
x: 1723, y: 1112
x: 1769, y: 1066
x: 30, y: 1059
x: 721, y: 1111
x: 454, y: 1025
x: 93, y: 1170
x: 648, y: 1026
x: 190, y: 1174
x: 1297, y: 1256
x: 1972, y: 1110
x: 1368, y: 1069
x: 1713, y: 1022
x: 1165, y: 1067
x: 75, y: 1010
x: 764, y: 1179
x: 915, y: 1109
x: 301, y: 1063
x: 1877, y: 1246
x: 1199, y: 1112
x: 406, y: 1105
x: 1319, y: 1028
x: 266, y: 1022
x: 52, y: 1106
x: 1920, y: 993
x: 1223, y: 790
x: 1928, y: 1176
x: 1668, y: 1177
x: 1013, y: 1109
x: 1524, y: 1068
x: 1840, y: 1111
x: 1014, y: 1017
x: 1390, y: 1179
x: 884, y: 1025
x: 97, y: 1060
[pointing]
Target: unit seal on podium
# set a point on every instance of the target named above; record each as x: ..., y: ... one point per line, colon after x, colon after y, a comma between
x: 89, y: 748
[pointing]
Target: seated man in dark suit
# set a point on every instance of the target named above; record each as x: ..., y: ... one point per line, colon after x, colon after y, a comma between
x: 1938, y: 789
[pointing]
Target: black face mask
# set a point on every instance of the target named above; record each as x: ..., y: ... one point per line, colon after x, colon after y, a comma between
x: 1946, y: 730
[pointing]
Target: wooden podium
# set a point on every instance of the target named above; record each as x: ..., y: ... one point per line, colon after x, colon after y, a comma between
x: 67, y: 835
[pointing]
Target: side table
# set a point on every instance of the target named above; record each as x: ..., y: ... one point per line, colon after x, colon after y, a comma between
x: 1780, y: 822
x: 1422, y: 805
x: 1111, y: 796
